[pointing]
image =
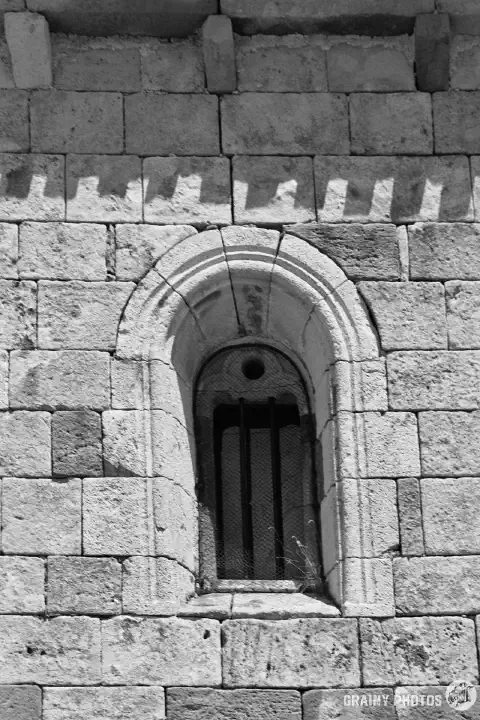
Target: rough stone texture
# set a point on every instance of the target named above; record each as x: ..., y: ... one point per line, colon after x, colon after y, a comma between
x: 465, y: 63
x: 158, y: 124
x: 463, y: 314
x: 62, y: 251
x: 388, y: 124
x: 360, y: 385
x: 21, y: 586
x: 219, y: 54
x: 155, y: 586
x: 432, y: 52
x: 288, y: 653
x: 449, y: 443
x: 25, y: 447
x: 280, y: 606
x: 391, y: 441
x: 6, y: 70
x: 76, y: 122
x: 425, y: 709
x: 368, y: 590
x: 77, y: 443
x: 444, y: 251
x: 408, y: 315
x: 331, y: 704
x: 101, y: 703
x: 475, y: 168
x: 357, y: 64
x: 28, y: 39
x: 362, y: 251
x: 455, y: 122
x: 18, y: 308
x: 59, y: 651
x: 32, y: 187
x: 418, y: 650
x: 175, y: 517
x: 8, y: 251
x: 393, y: 189
x: 84, y: 586
x: 203, y: 704
x: 65, y: 380
x: 31, y: 508
x: 156, y: 651
x: 80, y: 314
x: 3, y: 379
x: 187, y: 190
x: 104, y: 188
x: 450, y: 517
x: 21, y: 702
x: 305, y: 124
x: 138, y: 247
x: 14, y: 134
x: 293, y: 63
x: 437, y: 585
x: 175, y: 66
x: 410, y: 516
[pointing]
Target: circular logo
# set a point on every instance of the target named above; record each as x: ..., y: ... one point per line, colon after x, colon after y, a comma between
x: 460, y: 695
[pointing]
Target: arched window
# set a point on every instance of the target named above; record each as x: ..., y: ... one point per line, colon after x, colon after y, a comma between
x: 258, y: 493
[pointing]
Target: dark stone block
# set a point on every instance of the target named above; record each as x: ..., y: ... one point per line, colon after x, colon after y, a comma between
x: 20, y: 702
x: 432, y: 52
x: 77, y: 444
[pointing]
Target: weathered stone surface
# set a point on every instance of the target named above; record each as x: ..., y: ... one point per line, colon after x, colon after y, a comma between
x: 84, y: 586
x: 280, y: 606
x: 347, y: 704
x: 444, y: 251
x: 32, y: 187
x: 288, y: 653
x: 410, y: 516
x: 368, y: 587
x: 18, y: 314
x: 187, y: 190
x: 437, y: 585
x: 450, y: 516
x: 219, y: 54
x: 172, y: 457
x: 358, y: 64
x: 3, y: 379
x: 14, y: 135
x: 6, y: 70
x: 175, y: 522
x: 156, y: 651
x: 305, y: 124
x: 432, y: 704
x: 21, y: 585
x: 449, y: 443
x: 158, y: 124
x: 362, y: 251
x: 292, y: 63
x: 393, y: 189
x: 175, y: 66
x: 359, y: 386
x: 80, y: 314
x: 21, y: 702
x: 138, y: 247
x: 465, y: 63
x: 388, y: 124
x: 104, y: 188
x: 455, y: 122
x: 102, y: 703
x: 46, y: 380
x: 391, y: 442
x: 62, y: 251
x: 212, y: 605
x: 273, y: 190
x: 76, y: 122
x: 25, y: 444
x: 463, y: 314
x: 8, y: 251
x: 475, y: 168
x: 60, y: 651
x: 41, y: 517
x: 202, y: 704
x: 155, y: 586
x: 432, y: 52
x: 77, y: 443
x: 28, y: 39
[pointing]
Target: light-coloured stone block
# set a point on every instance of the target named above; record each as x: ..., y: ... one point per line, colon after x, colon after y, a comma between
x: 280, y: 606
x: 431, y: 702
x: 139, y: 247
x: 28, y: 39
x: 102, y: 703
x: 32, y: 187
x: 8, y: 251
x: 450, y: 516
x: 391, y: 442
x: 465, y: 63
x: 202, y: 704
x: 21, y: 585
x: 25, y: 445
x: 77, y: 443
x: 455, y: 122
x: 18, y: 314
x: 3, y: 380
x: 410, y: 516
x: 175, y: 522
x: 155, y: 586
x: 367, y: 587
x: 348, y: 704
x: 219, y: 54
x: 449, y: 443
x: 463, y: 314
x: 444, y: 251
x: 21, y: 702
x: 41, y: 517
x: 175, y: 66
x: 359, y: 386
x: 14, y: 133
x: 84, y: 586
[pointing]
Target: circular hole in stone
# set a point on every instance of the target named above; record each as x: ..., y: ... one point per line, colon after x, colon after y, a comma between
x: 253, y: 368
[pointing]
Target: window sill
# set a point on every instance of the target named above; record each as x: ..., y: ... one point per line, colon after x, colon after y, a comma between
x: 266, y: 606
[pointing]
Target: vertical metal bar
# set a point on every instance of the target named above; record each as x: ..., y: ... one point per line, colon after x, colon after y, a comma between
x: 246, y: 485
x: 277, y: 492
x: 218, y: 428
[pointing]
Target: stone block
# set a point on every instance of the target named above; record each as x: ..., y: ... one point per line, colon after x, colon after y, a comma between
x: 14, y: 131
x: 437, y: 585
x: 32, y: 187
x: 391, y: 123
x: 455, y: 121
x: 391, y: 442
x: 28, y: 38
x: 290, y: 653
x: 21, y: 702
x: 205, y: 703
x: 76, y: 122
x: 175, y: 522
x: 448, y: 441
x: 465, y: 63
x: 289, y: 63
x: 357, y: 64
x: 3, y: 379
x: 18, y: 314
x: 279, y: 606
x: 80, y: 314
x: 187, y: 190
x: 138, y: 247
x: 450, y: 516
x: 393, y: 189
x: 8, y: 251
x: 161, y: 651
x: 175, y: 66
x: 102, y: 703
x: 104, y: 188
x: 349, y: 704
x: 273, y: 190
x: 77, y: 443
x: 219, y: 54
x: 84, y: 586
x: 359, y: 386
x: 21, y: 586
x: 305, y: 124
x: 432, y: 52
x: 431, y: 704
x: 25, y: 446
x: 41, y: 517
x: 444, y: 251
x: 62, y: 650
x: 419, y: 650
x: 65, y: 380
x: 368, y: 587
x: 157, y: 124
x: 463, y: 314
x: 62, y: 251
x: 6, y: 70
x: 410, y: 516
x: 155, y: 586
